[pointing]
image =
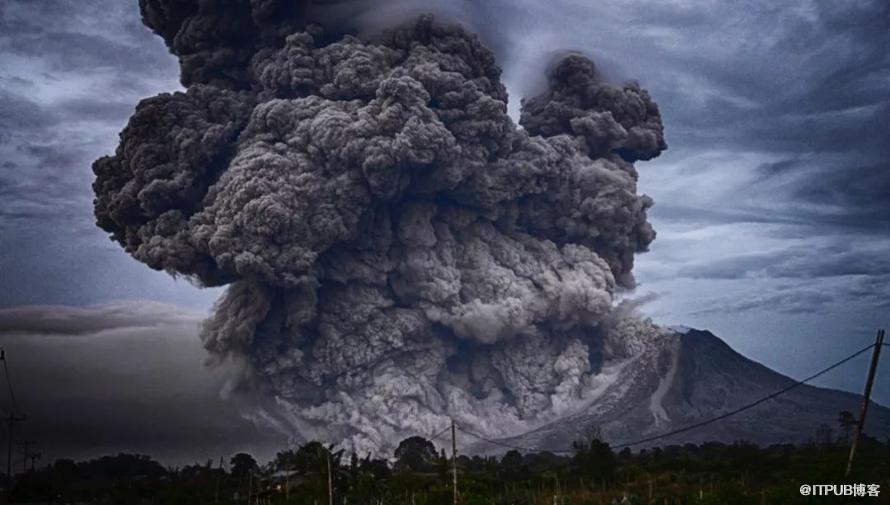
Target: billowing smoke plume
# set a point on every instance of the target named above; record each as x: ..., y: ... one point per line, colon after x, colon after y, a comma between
x: 396, y: 249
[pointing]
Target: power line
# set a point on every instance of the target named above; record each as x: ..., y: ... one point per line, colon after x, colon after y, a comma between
x: 508, y: 446
x: 439, y: 435
x: 691, y: 426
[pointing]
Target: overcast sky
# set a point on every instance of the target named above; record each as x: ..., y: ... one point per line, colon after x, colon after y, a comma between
x: 772, y: 201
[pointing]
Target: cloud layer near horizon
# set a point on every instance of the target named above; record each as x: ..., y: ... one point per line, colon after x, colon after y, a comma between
x: 68, y: 320
x: 122, y: 377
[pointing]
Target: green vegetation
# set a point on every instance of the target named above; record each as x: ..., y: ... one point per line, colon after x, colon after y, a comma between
x: 418, y: 474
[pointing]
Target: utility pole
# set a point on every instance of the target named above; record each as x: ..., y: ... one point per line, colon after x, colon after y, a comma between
x: 330, y: 483
x: 26, y: 444
x: 287, y: 484
x: 869, y: 382
x: 453, y: 462
x: 218, y: 478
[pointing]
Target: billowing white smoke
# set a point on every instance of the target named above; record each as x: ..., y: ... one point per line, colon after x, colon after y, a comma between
x: 397, y: 250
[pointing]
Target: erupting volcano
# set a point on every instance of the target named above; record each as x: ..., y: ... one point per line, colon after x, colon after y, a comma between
x: 397, y: 250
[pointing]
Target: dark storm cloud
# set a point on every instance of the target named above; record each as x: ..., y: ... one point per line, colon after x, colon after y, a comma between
x: 812, y: 297
x: 791, y: 102
x: 39, y: 183
x: 799, y: 262
x: 824, y: 58
x: 858, y: 79
x: 874, y: 289
x: 67, y: 84
x: 66, y: 42
x: 803, y: 85
x: 846, y: 191
x: 66, y: 51
x: 779, y: 168
x: 51, y: 56
x: 791, y: 301
x: 727, y: 215
x: 59, y: 262
x: 19, y: 115
x: 859, y: 189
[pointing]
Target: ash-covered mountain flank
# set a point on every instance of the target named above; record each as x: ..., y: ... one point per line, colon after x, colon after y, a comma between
x: 685, y: 376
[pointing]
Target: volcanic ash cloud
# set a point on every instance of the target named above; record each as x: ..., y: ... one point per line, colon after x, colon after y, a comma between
x: 397, y: 250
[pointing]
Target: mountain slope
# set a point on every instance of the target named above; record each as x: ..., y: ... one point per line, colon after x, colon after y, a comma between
x: 688, y: 376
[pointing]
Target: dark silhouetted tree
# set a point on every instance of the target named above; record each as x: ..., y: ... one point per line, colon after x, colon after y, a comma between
x: 416, y: 454
x: 242, y: 464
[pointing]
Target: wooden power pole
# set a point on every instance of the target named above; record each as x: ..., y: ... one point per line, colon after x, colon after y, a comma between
x: 330, y: 482
x: 453, y: 462
x: 218, y: 478
x: 287, y: 484
x: 869, y: 382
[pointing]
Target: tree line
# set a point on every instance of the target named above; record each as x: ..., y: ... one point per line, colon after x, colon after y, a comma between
x: 417, y: 473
